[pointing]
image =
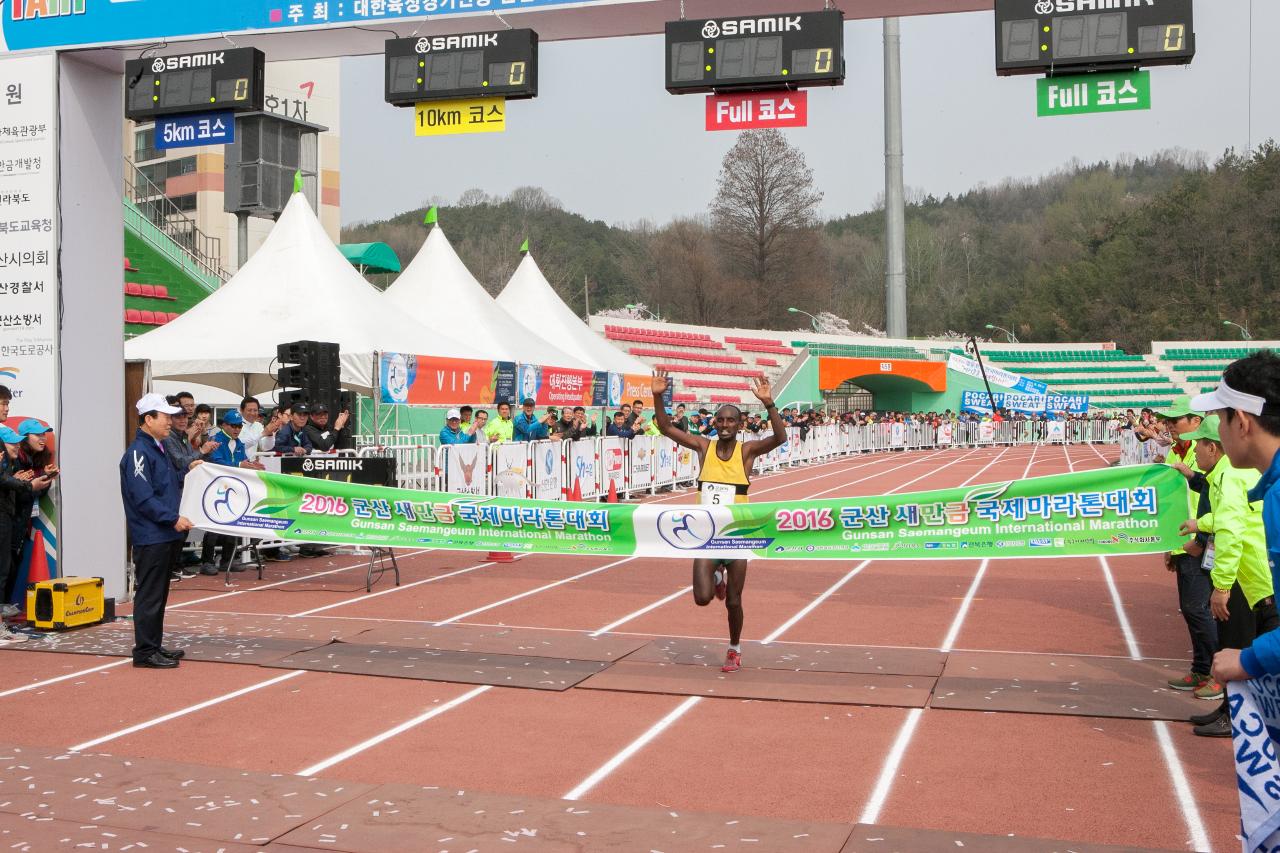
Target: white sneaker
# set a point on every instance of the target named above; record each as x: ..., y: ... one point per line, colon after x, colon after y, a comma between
x: 9, y: 610
x: 7, y: 636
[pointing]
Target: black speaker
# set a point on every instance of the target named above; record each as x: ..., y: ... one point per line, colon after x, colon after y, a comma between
x: 310, y: 372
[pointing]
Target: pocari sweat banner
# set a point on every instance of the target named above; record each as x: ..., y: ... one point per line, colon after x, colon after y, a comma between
x: 1255, y: 738
x: 1126, y: 510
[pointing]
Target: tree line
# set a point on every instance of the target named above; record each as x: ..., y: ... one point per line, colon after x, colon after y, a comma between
x: 1162, y: 247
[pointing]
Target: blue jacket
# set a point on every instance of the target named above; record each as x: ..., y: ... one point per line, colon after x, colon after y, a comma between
x: 528, y: 428
x: 230, y: 451
x: 151, y: 490
x: 287, y: 438
x: 1263, y: 657
x: 619, y: 431
x: 448, y: 436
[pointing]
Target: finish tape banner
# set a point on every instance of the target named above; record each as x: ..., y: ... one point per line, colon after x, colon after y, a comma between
x: 1126, y: 510
x: 996, y: 375
x: 1255, y: 736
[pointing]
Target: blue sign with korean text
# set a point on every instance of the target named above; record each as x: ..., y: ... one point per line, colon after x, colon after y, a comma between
x: 64, y: 23
x: 192, y: 130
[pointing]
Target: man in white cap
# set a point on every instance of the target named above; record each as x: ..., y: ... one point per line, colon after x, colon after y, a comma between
x: 453, y: 433
x: 149, y: 486
x: 1248, y: 402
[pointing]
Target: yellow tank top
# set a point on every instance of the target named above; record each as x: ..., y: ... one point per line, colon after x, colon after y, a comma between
x: 731, y: 472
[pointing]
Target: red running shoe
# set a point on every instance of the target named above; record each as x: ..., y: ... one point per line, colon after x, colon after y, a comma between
x: 732, y: 661
x: 722, y: 583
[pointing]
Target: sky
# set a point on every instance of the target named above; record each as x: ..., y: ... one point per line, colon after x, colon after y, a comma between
x: 606, y: 139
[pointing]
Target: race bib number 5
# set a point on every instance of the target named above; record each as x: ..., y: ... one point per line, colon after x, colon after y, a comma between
x: 718, y: 493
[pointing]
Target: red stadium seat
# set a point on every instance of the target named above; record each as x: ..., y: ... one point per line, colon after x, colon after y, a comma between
x: 132, y: 288
x: 148, y: 317
x: 148, y: 290
x: 132, y: 315
x: 162, y: 292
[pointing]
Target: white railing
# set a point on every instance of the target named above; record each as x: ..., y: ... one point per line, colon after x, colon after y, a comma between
x: 563, y: 470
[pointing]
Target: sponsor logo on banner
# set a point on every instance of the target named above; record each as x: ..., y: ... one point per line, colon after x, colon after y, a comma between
x: 226, y: 500
x: 465, y: 468
x: 995, y: 375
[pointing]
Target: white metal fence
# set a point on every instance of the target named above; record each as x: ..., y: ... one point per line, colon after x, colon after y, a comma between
x: 564, y: 470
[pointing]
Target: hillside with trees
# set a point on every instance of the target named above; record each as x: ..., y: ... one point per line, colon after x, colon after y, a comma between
x: 1162, y: 247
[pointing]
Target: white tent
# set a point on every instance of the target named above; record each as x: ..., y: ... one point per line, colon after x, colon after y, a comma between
x: 530, y: 297
x: 438, y: 291
x: 297, y: 286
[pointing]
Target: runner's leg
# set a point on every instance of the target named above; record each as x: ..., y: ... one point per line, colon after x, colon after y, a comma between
x: 733, y: 600
x: 704, y: 583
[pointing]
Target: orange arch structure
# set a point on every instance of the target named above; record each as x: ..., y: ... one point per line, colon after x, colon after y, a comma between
x: 832, y: 372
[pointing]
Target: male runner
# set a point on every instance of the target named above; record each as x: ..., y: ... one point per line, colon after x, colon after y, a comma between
x: 725, y: 477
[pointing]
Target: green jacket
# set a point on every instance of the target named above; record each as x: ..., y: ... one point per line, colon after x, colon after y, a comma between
x: 1239, y: 540
x: 1188, y: 459
x: 499, y: 430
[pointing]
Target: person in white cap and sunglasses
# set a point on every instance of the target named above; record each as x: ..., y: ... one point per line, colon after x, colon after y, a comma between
x: 149, y: 487
x: 1248, y: 403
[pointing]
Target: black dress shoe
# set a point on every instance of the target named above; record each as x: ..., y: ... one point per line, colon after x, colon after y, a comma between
x: 156, y: 661
x: 173, y: 654
x: 1220, y: 727
x: 1205, y: 719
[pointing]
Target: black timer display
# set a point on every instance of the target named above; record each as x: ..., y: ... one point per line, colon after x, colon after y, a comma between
x: 1073, y: 36
x: 771, y: 52
x: 213, y: 81
x: 432, y: 68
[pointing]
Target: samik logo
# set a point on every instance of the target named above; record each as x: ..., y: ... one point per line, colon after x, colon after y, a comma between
x: 190, y: 60
x: 1045, y: 7
x: 751, y: 26
x: 470, y: 40
x: 29, y: 9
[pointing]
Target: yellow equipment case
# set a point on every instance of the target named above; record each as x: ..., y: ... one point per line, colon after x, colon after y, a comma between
x: 65, y: 603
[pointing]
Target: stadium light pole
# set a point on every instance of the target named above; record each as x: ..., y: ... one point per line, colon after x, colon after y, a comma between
x: 813, y: 321
x: 895, y: 257
x: 1013, y: 339
x: 655, y: 317
x: 1244, y: 330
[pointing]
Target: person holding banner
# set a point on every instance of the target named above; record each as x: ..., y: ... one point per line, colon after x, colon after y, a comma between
x: 1235, y: 555
x: 725, y: 477
x: 1248, y: 399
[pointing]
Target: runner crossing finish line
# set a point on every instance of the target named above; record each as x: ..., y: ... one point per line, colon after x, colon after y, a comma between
x: 725, y: 478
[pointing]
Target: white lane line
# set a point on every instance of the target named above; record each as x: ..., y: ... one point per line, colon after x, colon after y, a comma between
x: 631, y: 749
x: 190, y: 709
x: 808, y: 608
x: 931, y: 472
x: 1116, y: 602
x: 392, y: 732
x: 980, y: 471
x: 956, y: 624
x: 66, y: 677
x: 535, y: 591
x: 871, y: 813
x: 287, y: 581
x: 370, y: 595
x: 1186, y: 800
x: 1030, y: 462
x: 1071, y: 466
x: 642, y: 611
x: 889, y: 772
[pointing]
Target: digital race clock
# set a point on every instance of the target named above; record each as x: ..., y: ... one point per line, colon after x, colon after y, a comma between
x: 431, y: 68
x: 214, y: 81
x: 1070, y: 36
x: 770, y: 52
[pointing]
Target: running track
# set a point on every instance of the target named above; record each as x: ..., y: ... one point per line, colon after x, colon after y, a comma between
x: 1135, y: 782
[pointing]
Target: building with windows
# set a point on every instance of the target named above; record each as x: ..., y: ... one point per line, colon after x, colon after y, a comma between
x: 180, y: 192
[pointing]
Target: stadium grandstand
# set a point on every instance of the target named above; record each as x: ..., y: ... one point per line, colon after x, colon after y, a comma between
x: 716, y: 365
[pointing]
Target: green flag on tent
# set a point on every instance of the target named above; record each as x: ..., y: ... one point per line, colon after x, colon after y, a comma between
x: 431, y: 217
x: 524, y: 247
x: 297, y: 181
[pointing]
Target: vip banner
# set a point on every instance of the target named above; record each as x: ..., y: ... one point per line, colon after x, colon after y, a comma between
x: 1127, y: 510
x: 435, y: 381
x: 1255, y: 734
x: 996, y: 375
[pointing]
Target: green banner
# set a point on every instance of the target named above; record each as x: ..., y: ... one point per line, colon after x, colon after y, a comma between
x: 1127, y: 510
x: 1093, y: 93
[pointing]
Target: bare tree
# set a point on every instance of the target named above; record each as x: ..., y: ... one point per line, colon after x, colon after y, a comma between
x: 689, y: 284
x: 473, y: 197
x: 764, y: 216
